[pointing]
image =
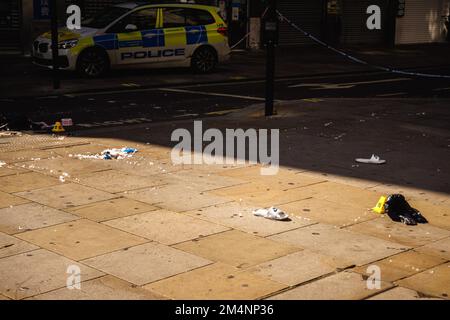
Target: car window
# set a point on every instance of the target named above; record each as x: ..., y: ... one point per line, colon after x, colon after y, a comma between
x: 198, y: 17
x: 173, y: 17
x: 182, y: 17
x: 144, y: 19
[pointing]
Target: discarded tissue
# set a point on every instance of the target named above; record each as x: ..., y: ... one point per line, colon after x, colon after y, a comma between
x: 118, y: 153
x: 109, y: 154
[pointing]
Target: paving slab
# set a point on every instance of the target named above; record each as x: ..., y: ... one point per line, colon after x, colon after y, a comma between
x: 10, y: 246
x: 237, y: 248
x: 154, y: 152
x: 54, y: 142
x: 103, y: 288
x: 166, y: 227
x: 434, y: 282
x: 26, y: 181
x: 66, y: 195
x: 10, y: 170
x: 251, y: 172
x: 143, y: 166
x: 19, y: 157
x: 111, y: 209
x: 7, y: 200
x: 327, y: 212
x: 85, y: 149
x: 400, y: 293
x: 114, y: 181
x: 73, y: 167
x: 402, y: 265
x: 31, y: 216
x: 36, y: 272
x: 110, y: 143
x: 200, y: 180
x: 384, y: 228
x: 439, y: 248
x: 81, y: 239
x: 341, y: 193
x: 212, y: 168
x: 298, y: 267
x: 340, y: 286
x: 262, y: 195
x: 146, y: 263
x: 347, y: 180
x: 240, y: 216
x: 348, y: 246
x: 285, y: 178
x: 437, y: 215
x: 216, y: 282
x: 175, y: 198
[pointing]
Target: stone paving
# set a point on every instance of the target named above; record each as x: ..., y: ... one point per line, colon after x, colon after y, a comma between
x: 141, y: 228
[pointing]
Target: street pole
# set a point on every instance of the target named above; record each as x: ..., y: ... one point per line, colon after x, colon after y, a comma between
x: 54, y: 46
x: 271, y: 34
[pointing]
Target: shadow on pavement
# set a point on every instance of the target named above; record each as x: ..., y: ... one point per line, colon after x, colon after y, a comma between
x: 326, y: 136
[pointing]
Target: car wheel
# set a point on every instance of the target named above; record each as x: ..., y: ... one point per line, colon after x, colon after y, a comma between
x: 93, y: 63
x: 204, y: 60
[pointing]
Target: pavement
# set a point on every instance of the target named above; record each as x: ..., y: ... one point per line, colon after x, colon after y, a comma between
x: 26, y: 80
x: 144, y: 228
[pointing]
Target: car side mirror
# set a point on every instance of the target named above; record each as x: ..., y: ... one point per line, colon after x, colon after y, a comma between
x: 131, y: 27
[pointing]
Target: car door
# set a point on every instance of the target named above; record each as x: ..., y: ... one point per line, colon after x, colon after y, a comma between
x: 198, y: 23
x: 174, y: 23
x: 138, y: 38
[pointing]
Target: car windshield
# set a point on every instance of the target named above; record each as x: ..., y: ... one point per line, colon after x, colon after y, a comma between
x: 105, y: 18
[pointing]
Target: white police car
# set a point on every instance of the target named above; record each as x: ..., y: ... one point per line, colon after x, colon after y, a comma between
x: 164, y: 35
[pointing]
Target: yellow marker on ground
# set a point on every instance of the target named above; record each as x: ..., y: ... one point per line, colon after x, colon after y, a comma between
x: 58, y: 128
x: 379, y: 208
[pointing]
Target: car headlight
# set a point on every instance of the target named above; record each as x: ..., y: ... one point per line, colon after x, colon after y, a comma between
x: 68, y: 44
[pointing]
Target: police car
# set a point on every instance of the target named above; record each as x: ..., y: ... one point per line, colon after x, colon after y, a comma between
x: 165, y: 35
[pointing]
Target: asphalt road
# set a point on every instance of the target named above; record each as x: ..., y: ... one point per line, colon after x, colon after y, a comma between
x: 112, y: 108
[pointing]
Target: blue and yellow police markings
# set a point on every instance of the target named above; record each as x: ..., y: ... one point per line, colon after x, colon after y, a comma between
x: 154, y: 38
x: 130, y: 39
x: 196, y: 35
x: 107, y: 41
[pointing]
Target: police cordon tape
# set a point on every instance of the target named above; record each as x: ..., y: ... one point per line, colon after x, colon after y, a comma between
x: 354, y: 59
x: 248, y: 33
x: 240, y: 41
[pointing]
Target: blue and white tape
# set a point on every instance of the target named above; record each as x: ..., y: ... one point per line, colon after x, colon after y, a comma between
x: 354, y: 59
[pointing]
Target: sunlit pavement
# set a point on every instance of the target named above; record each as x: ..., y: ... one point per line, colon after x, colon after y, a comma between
x: 143, y: 228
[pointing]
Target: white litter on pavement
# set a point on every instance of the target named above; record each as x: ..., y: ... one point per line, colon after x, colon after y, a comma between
x: 271, y: 213
x: 108, y: 154
x: 63, y: 177
x: 10, y: 133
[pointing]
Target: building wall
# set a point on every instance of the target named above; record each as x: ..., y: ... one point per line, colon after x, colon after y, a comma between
x: 10, y: 25
x: 422, y: 22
